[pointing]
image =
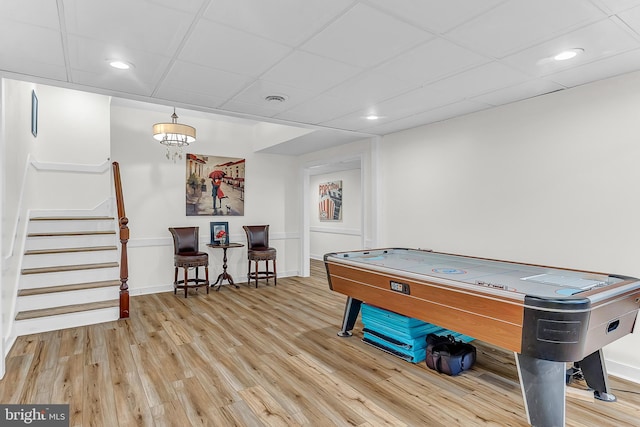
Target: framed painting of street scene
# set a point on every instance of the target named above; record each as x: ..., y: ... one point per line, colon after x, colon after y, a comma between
x: 330, y: 204
x: 214, y: 185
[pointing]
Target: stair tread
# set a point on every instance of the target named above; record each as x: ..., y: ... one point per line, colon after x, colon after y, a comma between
x: 66, y: 288
x: 72, y: 218
x: 62, y: 268
x: 71, y: 233
x: 66, y: 309
x: 68, y: 250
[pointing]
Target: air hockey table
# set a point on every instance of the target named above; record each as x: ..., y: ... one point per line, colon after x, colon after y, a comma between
x: 547, y: 316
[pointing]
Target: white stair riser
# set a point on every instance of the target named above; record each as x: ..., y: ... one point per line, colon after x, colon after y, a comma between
x: 72, y: 320
x: 61, y: 226
x: 69, y: 258
x: 59, y: 242
x: 55, y: 299
x: 30, y: 281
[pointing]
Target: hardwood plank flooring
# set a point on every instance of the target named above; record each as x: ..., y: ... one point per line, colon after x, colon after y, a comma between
x: 267, y: 357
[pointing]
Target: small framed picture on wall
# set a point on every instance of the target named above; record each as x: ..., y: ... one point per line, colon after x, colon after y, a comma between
x: 34, y: 113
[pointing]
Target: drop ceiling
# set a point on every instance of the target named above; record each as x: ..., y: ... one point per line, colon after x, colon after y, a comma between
x: 335, y: 62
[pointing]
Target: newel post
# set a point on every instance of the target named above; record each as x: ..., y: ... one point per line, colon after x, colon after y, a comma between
x: 123, y: 222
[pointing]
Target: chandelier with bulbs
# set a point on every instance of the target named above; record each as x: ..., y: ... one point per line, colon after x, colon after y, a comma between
x: 175, y: 136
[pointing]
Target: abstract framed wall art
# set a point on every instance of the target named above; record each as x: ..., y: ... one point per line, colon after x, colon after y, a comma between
x: 214, y: 185
x: 330, y: 204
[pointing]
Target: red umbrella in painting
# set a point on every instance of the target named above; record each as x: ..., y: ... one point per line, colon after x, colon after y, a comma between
x: 216, y: 174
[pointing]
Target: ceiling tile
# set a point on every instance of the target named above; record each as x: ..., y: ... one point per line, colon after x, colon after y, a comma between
x: 89, y: 64
x: 416, y: 101
x: 364, y: 37
x: 598, y: 40
x: 311, y: 72
x: 42, y: 14
x: 430, y: 61
x: 173, y: 95
x: 605, y: 68
x: 217, y: 46
x: 116, y: 80
x: 256, y: 93
x: 317, y: 110
x: 368, y: 88
x: 516, y: 24
x: 352, y: 121
x: 631, y: 17
x: 435, y: 15
x: 432, y: 116
x: 286, y: 21
x: 265, y: 110
x: 46, y: 61
x: 518, y: 92
x: 619, y: 5
x: 191, y: 6
x: 482, y: 79
x: 131, y: 23
x: 194, y: 79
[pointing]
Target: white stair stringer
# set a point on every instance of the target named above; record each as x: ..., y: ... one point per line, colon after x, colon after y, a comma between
x: 69, y: 271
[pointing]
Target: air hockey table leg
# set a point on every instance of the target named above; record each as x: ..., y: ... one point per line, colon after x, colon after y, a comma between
x: 351, y: 310
x: 595, y: 374
x: 543, y: 388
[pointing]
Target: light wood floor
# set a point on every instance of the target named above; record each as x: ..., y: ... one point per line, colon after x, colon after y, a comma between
x: 266, y: 357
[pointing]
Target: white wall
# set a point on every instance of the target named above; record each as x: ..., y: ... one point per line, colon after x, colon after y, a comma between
x: 154, y: 193
x: 336, y: 236
x: 73, y: 129
x: 551, y: 180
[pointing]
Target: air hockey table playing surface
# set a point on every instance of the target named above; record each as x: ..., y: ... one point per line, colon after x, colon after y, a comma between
x: 524, y: 279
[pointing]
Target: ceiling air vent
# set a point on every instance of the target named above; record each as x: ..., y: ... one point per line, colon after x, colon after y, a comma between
x: 275, y: 98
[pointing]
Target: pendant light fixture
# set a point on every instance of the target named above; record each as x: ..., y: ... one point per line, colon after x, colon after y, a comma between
x: 175, y: 136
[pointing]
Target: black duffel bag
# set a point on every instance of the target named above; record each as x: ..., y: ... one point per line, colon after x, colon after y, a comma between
x: 448, y: 355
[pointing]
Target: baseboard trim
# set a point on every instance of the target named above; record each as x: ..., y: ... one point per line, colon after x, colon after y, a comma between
x: 621, y: 370
x: 147, y: 290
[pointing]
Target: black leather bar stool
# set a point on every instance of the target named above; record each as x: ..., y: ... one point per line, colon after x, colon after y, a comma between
x: 258, y: 250
x: 186, y: 256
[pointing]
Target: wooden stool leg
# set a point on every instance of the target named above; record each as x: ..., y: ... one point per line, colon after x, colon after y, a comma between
x: 206, y: 276
x: 257, y: 264
x: 275, y: 275
x: 175, y: 281
x: 249, y: 272
x: 186, y: 281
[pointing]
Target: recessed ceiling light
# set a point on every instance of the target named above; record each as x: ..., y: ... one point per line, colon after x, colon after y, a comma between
x: 120, y: 65
x: 372, y: 117
x: 568, y: 54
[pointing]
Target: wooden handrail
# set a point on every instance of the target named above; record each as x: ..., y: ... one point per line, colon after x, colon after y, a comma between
x: 124, y: 238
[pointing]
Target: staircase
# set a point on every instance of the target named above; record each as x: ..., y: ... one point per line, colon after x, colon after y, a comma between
x: 70, y: 272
